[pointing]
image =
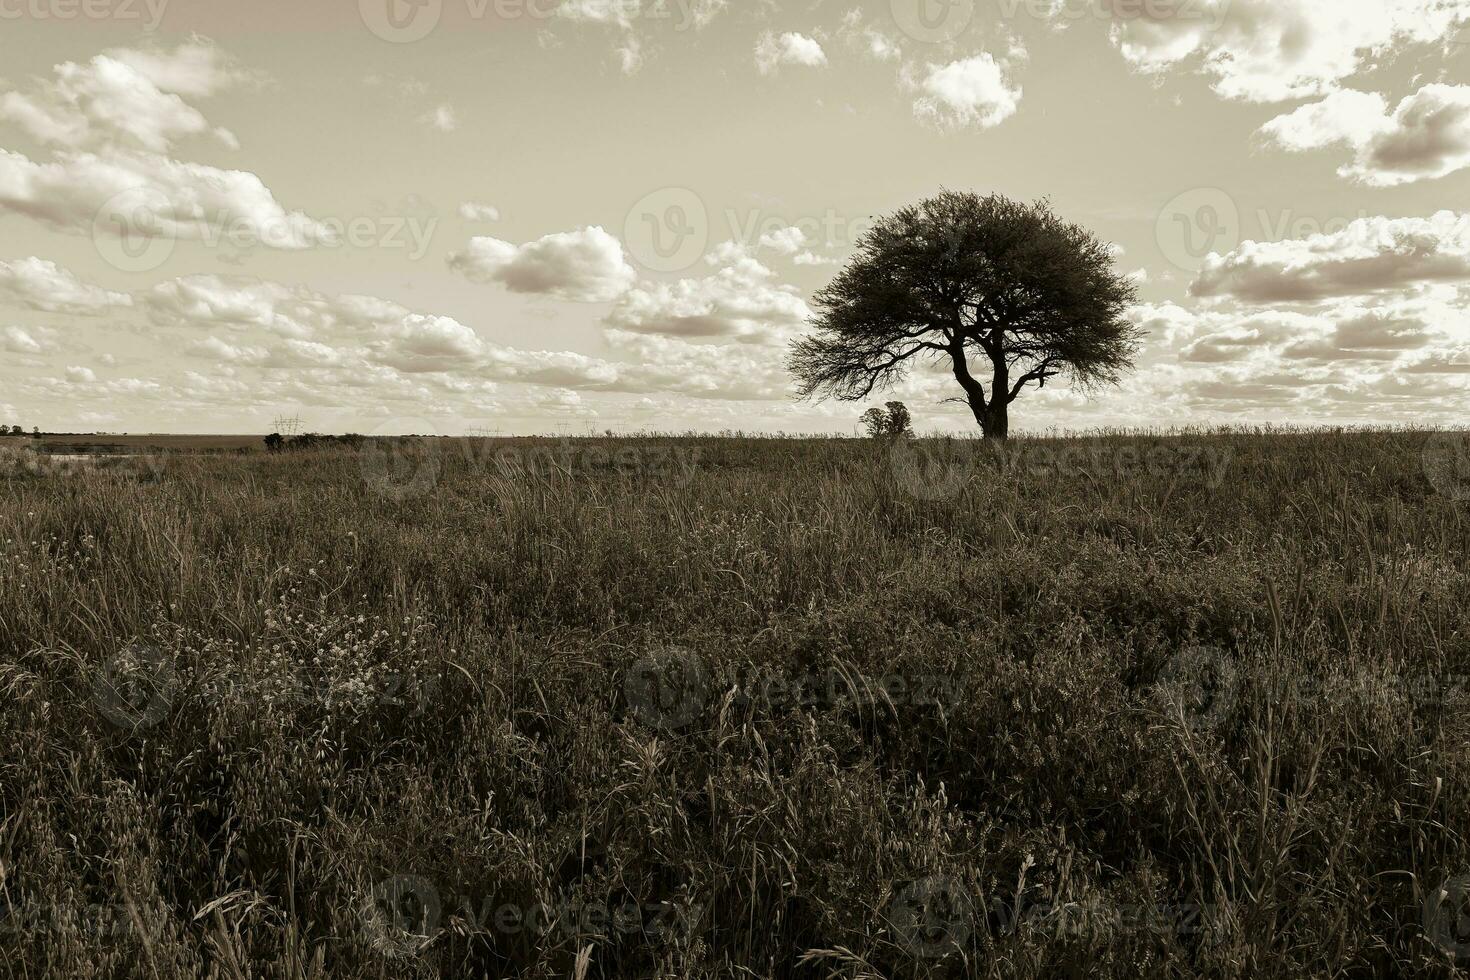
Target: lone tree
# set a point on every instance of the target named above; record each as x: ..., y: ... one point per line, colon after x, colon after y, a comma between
x: 999, y: 288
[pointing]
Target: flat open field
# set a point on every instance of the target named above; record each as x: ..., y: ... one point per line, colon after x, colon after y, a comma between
x: 1135, y: 706
x: 140, y: 443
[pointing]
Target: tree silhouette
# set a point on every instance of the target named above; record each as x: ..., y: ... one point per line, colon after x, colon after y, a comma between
x: 964, y: 279
x: 894, y: 422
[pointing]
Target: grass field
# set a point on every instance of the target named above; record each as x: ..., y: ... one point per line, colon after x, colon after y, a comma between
x: 148, y: 443
x: 1129, y: 706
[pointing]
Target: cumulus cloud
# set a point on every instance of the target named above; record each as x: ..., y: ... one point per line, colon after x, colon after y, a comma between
x: 1347, y: 355
x: 583, y: 266
x: 973, y: 92
x: 241, y: 303
x: 164, y: 199
x: 1368, y: 335
x: 80, y: 375
x: 39, y: 284
x: 1370, y: 255
x: 471, y: 211
x: 772, y: 51
x: 1272, y: 50
x: 220, y: 351
x: 1426, y: 136
x: 786, y: 241
x: 741, y: 302
x: 21, y: 341
x: 380, y: 343
x: 111, y: 124
x: 196, y: 68
x: 125, y: 98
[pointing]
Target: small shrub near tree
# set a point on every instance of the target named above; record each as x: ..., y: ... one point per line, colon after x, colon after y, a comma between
x: 893, y: 421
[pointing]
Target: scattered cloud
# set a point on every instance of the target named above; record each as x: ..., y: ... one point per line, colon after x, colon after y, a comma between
x: 786, y: 241
x: 973, y: 92
x: 1273, y: 50
x: 128, y: 99
x: 442, y: 118
x: 1426, y: 136
x: 20, y: 341
x: 1370, y: 255
x: 585, y: 266
x: 471, y: 211
x: 740, y: 302
x: 39, y: 284
x: 772, y: 51
x: 869, y: 40
x: 164, y: 198
x: 111, y: 124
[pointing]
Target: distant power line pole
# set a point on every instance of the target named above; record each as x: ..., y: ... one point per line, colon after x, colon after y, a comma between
x: 288, y: 425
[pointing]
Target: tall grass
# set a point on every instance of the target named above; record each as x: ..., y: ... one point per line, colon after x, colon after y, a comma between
x: 739, y: 708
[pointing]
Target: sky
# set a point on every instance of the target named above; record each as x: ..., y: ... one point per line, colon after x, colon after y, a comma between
x: 540, y: 216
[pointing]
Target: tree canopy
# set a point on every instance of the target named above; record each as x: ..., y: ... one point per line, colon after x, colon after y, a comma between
x: 986, y: 281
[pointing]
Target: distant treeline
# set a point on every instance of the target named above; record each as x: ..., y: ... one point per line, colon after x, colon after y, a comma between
x: 275, y: 442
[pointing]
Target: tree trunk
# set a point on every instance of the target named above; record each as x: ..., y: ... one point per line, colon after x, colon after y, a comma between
x: 996, y: 423
x: 990, y: 413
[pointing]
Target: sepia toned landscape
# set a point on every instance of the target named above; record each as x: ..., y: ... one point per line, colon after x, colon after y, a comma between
x: 728, y: 490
